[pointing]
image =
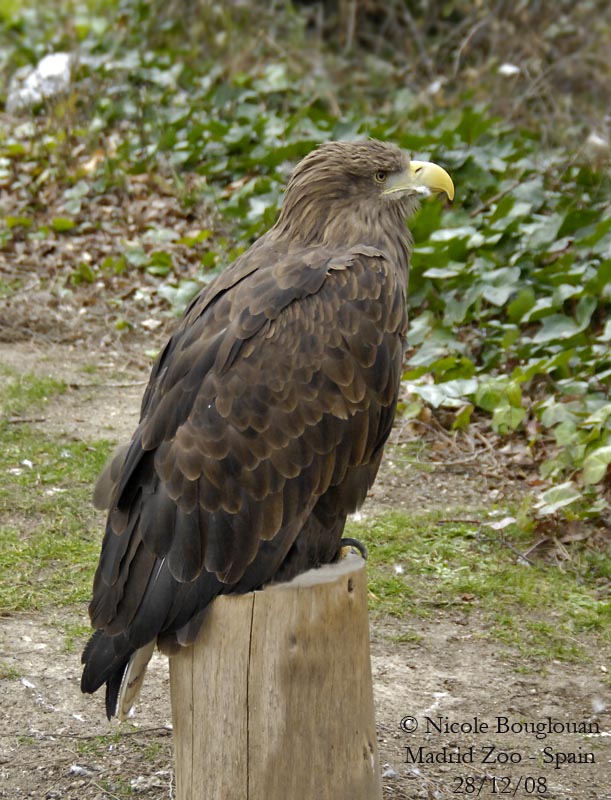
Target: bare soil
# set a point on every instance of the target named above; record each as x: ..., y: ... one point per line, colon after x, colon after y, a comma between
x: 452, y: 672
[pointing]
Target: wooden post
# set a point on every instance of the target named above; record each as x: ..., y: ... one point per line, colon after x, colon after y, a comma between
x: 275, y: 700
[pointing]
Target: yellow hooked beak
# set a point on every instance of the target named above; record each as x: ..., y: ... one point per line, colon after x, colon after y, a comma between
x: 421, y: 175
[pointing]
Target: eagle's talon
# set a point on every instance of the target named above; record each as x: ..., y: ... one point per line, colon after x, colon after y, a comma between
x: 348, y: 542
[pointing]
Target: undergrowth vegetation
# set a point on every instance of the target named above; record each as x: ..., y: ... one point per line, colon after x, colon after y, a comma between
x: 428, y: 563
x: 212, y: 105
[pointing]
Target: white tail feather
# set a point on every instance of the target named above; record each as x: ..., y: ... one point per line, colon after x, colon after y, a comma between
x: 132, y: 679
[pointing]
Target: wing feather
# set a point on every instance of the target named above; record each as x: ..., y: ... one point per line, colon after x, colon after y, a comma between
x: 276, y: 392
x: 187, y: 552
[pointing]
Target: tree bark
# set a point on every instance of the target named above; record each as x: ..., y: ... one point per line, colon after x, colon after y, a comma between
x: 274, y: 700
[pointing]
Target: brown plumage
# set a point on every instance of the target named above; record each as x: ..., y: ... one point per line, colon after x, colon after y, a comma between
x: 266, y: 413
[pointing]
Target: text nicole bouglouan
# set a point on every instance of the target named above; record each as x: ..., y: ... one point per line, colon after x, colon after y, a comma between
x: 501, y: 755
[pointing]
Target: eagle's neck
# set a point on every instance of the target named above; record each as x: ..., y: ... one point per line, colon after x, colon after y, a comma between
x: 343, y: 223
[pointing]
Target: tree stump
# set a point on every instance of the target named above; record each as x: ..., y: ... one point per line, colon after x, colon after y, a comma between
x: 275, y: 700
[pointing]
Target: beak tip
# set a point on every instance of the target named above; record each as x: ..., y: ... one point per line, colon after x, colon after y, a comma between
x: 433, y: 177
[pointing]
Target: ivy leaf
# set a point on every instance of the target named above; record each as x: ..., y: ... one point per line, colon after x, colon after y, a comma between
x: 552, y: 500
x: 595, y: 465
x: 179, y: 296
x: 556, y: 326
x: 449, y: 393
x: 136, y: 256
x: 497, y: 295
x: 507, y: 418
x: 521, y: 304
x: 463, y: 417
x: 451, y: 271
x: 543, y: 231
x: 160, y: 263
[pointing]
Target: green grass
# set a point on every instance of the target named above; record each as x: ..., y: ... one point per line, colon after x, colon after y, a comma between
x: 49, y: 531
x: 52, y: 566
x: 148, y: 747
x: 90, y: 369
x: 8, y: 672
x: 542, y: 610
x: 97, y: 746
x: 7, y: 288
x: 75, y: 634
x: 19, y: 392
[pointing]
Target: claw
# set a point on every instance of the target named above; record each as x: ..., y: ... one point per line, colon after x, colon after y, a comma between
x: 354, y: 543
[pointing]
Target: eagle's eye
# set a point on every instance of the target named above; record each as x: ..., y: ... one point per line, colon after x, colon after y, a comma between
x: 380, y: 176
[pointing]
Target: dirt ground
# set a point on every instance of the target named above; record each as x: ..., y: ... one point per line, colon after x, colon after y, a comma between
x: 454, y: 676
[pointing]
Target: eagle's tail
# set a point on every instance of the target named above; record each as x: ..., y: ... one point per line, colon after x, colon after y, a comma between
x: 110, y: 660
x: 131, y: 683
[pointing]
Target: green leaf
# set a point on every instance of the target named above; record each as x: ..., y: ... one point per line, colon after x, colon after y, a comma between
x: 451, y: 271
x: 160, y: 263
x: 497, y: 295
x: 160, y: 235
x: 565, y: 433
x: 62, y: 224
x: 450, y: 393
x: 595, y: 464
x: 552, y: 500
x: 136, y: 256
x: 487, y: 398
x: 521, y: 304
x: 18, y: 222
x: 507, y: 418
x: 14, y: 150
x: 584, y: 310
x: 542, y: 232
x: 115, y: 264
x: 463, y: 417
x: 83, y: 274
x: 194, y: 239
x: 274, y: 79
x: 179, y: 296
x: 556, y: 326
x: 447, y: 234
x: 209, y: 259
